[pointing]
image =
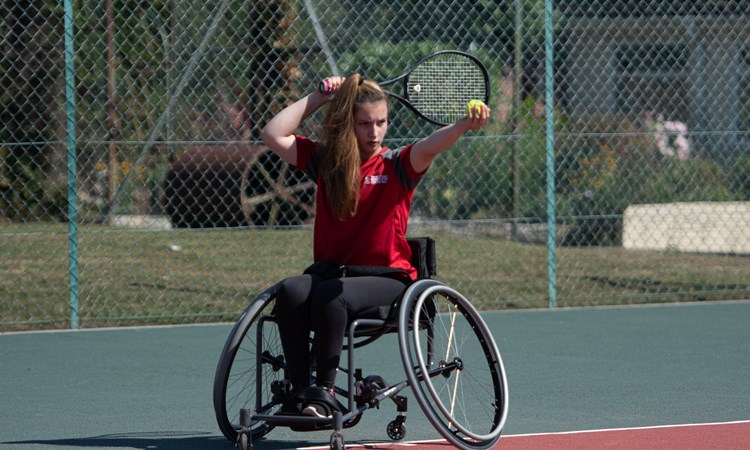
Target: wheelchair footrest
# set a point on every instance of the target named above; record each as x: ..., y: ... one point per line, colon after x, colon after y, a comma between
x: 300, y: 422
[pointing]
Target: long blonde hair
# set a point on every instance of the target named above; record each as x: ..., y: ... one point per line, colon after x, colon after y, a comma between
x: 340, y: 160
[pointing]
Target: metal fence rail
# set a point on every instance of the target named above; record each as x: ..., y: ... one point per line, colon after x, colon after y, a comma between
x: 134, y: 188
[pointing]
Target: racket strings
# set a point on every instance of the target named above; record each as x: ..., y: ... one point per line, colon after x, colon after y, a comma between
x: 441, y: 87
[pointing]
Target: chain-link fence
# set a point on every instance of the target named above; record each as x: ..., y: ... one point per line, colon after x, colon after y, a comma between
x: 134, y: 187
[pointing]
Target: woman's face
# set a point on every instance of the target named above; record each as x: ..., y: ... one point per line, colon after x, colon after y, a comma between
x: 370, y: 126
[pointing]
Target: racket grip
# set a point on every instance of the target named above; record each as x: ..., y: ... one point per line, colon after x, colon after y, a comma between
x: 324, y: 88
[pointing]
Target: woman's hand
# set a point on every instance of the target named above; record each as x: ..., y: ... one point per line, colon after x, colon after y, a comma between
x: 330, y: 85
x: 476, y: 117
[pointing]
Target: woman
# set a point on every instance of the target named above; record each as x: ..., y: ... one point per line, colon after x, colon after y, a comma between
x: 362, y: 209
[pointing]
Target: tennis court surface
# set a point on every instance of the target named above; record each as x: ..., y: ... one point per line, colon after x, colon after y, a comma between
x: 648, y: 377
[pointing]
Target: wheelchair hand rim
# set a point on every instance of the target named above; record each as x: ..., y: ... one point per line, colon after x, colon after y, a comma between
x: 423, y: 296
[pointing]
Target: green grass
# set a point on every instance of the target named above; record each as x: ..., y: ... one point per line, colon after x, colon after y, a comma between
x: 129, y: 277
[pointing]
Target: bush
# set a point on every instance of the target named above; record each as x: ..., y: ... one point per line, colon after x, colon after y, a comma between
x: 613, y: 162
x: 472, y: 180
x: 687, y: 181
x: 595, y: 182
x: 739, y: 175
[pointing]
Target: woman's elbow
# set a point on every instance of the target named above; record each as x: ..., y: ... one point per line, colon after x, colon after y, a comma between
x: 272, y: 139
x: 266, y: 135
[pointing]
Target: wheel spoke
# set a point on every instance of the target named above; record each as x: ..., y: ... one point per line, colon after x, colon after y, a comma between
x: 460, y: 358
x: 248, y: 371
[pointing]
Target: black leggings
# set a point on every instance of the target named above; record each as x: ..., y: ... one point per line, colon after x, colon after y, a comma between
x: 308, y: 303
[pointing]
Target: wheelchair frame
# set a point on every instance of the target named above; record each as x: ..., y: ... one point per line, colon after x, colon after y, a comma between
x: 241, y: 383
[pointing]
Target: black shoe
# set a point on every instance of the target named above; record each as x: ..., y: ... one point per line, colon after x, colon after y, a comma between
x: 323, y: 399
x: 292, y: 406
x: 316, y: 410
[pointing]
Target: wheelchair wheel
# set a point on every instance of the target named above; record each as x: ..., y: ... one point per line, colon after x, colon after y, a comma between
x: 251, y: 364
x: 453, y: 365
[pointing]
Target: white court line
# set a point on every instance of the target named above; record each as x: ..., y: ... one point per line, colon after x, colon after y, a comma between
x: 489, y: 311
x: 510, y: 436
x: 365, y: 444
x: 695, y: 303
x: 653, y: 427
x: 123, y: 328
x: 501, y: 311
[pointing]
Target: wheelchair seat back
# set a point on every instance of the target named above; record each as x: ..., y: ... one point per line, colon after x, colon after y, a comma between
x: 423, y: 258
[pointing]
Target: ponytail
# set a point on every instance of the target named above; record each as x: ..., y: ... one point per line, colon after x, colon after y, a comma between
x: 340, y: 160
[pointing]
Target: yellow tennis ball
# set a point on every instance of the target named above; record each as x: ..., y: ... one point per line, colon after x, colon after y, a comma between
x: 474, y: 105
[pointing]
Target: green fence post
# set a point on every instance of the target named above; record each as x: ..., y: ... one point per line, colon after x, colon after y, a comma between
x: 70, y: 128
x: 549, y: 101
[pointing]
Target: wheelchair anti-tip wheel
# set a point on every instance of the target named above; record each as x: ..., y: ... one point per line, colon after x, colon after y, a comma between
x: 453, y: 365
x: 396, y: 429
x: 250, y: 374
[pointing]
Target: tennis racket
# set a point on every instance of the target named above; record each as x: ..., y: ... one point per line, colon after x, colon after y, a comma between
x: 438, y: 86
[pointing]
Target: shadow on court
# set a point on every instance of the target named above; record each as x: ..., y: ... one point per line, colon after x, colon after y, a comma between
x: 153, y: 441
x: 156, y: 441
x: 163, y: 441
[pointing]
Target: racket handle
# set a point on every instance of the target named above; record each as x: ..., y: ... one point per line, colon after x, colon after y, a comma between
x: 324, y: 88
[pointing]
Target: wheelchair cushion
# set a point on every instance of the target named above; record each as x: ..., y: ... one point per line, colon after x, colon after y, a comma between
x: 389, y: 314
x: 383, y: 312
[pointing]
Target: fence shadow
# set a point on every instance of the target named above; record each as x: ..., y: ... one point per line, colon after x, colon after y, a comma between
x: 166, y: 440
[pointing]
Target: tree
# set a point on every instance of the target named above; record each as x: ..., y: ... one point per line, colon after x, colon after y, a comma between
x: 30, y: 80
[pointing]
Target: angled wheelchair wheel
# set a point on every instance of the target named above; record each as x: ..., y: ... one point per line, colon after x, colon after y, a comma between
x: 453, y: 365
x: 251, y: 369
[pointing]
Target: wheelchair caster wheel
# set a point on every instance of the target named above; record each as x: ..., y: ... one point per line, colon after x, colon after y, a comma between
x: 396, y: 430
x: 243, y: 442
x: 337, y: 441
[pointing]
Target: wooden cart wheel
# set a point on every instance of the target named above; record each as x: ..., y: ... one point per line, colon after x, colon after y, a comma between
x: 274, y: 194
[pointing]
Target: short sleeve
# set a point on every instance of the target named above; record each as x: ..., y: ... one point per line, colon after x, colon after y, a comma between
x: 306, y: 162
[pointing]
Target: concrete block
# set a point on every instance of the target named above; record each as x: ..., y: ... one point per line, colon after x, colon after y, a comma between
x: 703, y: 227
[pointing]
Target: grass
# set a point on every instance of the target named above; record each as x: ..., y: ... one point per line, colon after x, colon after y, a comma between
x: 128, y: 277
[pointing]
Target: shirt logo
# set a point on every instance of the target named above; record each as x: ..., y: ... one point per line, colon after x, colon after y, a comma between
x: 376, y: 179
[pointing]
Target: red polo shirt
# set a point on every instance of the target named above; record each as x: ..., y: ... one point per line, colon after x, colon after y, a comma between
x: 376, y: 235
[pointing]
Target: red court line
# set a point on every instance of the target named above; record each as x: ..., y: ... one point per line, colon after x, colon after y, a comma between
x: 724, y: 436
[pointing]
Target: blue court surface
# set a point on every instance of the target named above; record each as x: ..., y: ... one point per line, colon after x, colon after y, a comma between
x: 568, y: 369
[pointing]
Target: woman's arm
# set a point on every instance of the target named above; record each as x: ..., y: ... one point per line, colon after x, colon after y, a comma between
x: 425, y: 150
x: 278, y: 134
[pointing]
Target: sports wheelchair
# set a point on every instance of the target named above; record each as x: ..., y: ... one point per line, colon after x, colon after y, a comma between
x: 450, y: 358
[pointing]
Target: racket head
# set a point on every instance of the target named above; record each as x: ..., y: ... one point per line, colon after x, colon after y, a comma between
x: 438, y: 86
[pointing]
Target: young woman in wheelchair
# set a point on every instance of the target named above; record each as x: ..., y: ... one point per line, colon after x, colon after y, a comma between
x: 362, y: 207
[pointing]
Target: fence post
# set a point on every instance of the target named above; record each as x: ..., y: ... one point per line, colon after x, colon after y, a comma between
x: 70, y: 129
x: 549, y: 101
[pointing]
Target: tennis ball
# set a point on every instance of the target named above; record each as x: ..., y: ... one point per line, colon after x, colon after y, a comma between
x: 474, y: 105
